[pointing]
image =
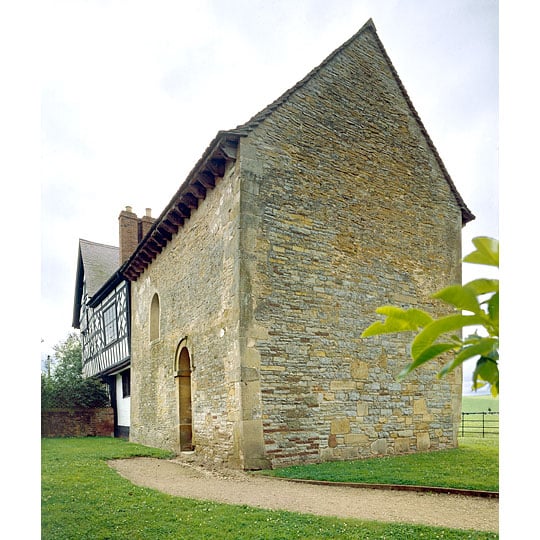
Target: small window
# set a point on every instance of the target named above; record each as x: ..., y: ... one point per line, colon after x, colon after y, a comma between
x: 126, y: 383
x: 154, y: 318
x: 109, y: 324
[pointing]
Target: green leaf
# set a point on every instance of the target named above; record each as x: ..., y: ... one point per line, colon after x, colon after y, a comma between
x: 482, y: 346
x: 432, y: 352
x: 389, y: 326
x: 493, y: 310
x: 461, y: 297
x: 487, y: 251
x: 440, y: 326
x: 483, y: 286
x: 472, y: 339
x: 427, y: 354
x: 413, y: 315
x: 486, y: 370
x: 450, y: 366
x: 398, y: 320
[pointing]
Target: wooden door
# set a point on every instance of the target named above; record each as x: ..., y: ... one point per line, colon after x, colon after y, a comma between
x: 184, y: 400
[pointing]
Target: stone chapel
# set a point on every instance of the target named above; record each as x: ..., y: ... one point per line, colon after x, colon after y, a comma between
x: 250, y: 291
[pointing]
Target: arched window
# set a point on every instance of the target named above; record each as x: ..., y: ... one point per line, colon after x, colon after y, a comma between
x: 154, y: 318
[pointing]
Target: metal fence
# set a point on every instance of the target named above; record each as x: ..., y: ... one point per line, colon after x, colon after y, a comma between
x: 480, y: 424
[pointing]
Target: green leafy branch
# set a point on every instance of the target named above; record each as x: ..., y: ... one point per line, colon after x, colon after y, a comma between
x: 477, y: 305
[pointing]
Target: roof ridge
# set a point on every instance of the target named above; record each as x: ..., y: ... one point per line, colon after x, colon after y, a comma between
x: 98, y: 243
x: 255, y: 120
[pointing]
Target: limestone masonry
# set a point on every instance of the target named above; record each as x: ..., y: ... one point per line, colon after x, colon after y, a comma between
x: 249, y: 293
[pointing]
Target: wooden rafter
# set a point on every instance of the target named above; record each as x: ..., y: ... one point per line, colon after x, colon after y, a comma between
x: 166, y: 231
x: 145, y: 257
x: 158, y: 236
x: 206, y: 179
x: 229, y: 149
x: 183, y: 210
x: 175, y: 218
x: 198, y: 190
x: 152, y: 246
x: 139, y: 266
x: 216, y: 166
x: 190, y: 200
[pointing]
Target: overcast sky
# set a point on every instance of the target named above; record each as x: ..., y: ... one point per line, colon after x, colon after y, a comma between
x: 133, y: 92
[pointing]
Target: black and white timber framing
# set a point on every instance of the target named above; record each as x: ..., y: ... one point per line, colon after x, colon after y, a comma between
x: 105, y: 332
x: 101, y: 312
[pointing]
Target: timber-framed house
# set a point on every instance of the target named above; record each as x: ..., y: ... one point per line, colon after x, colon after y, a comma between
x: 101, y: 312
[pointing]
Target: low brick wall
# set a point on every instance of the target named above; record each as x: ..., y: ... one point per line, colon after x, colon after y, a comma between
x: 77, y: 422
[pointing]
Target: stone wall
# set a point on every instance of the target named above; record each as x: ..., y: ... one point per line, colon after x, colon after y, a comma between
x: 77, y: 422
x: 344, y: 208
x: 196, y: 278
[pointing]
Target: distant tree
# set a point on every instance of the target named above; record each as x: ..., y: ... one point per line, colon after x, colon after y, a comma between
x: 65, y: 387
x: 477, y: 306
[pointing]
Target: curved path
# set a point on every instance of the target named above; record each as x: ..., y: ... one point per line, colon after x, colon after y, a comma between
x: 235, y: 487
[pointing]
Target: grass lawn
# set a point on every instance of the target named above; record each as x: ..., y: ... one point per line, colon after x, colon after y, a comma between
x: 82, y: 498
x: 474, y: 465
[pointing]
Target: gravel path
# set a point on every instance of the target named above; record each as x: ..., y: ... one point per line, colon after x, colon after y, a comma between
x: 176, y: 477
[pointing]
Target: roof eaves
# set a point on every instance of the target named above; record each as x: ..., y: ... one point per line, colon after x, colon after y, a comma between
x: 75, y: 322
x: 203, y: 176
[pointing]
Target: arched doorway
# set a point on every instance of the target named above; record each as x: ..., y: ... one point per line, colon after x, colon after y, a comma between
x: 183, y: 377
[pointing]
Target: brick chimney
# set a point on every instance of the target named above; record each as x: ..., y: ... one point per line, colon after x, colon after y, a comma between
x: 132, y: 230
x: 128, y: 233
x: 145, y: 223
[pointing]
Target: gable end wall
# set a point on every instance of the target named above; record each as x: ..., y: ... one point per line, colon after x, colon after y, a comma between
x: 345, y: 209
